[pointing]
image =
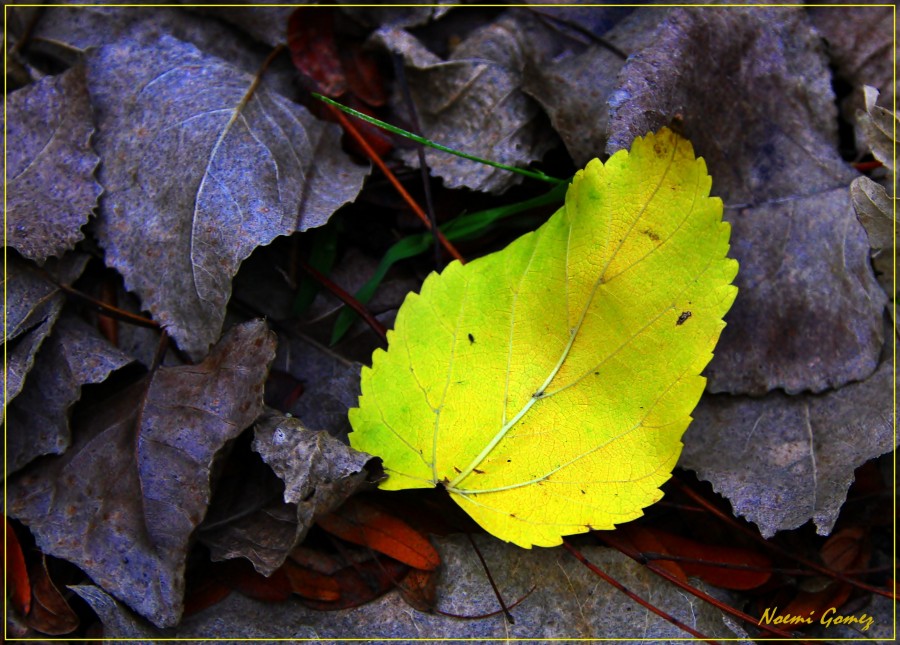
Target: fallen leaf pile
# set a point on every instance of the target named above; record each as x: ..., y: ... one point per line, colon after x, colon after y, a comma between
x: 176, y: 416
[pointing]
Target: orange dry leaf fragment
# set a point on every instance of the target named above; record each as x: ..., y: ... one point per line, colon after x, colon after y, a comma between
x: 17, y: 573
x: 361, y: 523
x: 311, y: 584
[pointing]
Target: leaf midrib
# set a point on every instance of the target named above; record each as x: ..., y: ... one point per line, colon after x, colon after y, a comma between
x: 539, y: 394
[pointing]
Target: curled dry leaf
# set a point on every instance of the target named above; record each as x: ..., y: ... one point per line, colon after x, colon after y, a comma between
x: 38, y: 419
x: 50, y: 612
x: 877, y: 126
x: 201, y: 167
x: 123, y: 501
x: 805, y: 320
x: 51, y: 191
x: 859, y: 41
x: 319, y: 473
x: 472, y: 102
x: 66, y: 32
x: 29, y: 311
x: 572, y: 75
x: 875, y: 211
x: 783, y: 460
x: 118, y: 620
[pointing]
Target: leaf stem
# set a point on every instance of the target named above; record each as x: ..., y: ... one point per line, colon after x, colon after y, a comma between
x: 533, y: 174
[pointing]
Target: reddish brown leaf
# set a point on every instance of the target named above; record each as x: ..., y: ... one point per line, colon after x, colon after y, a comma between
x: 845, y: 550
x: 362, y: 583
x: 725, y: 577
x: 419, y: 589
x: 642, y: 539
x: 813, y: 603
x: 240, y: 575
x: 314, y: 50
x: 362, y: 523
x: 206, y: 592
x: 311, y: 584
x: 363, y: 76
x: 315, y: 560
x: 50, y: 613
x: 19, y: 587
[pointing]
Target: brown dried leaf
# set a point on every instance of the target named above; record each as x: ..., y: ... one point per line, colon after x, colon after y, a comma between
x: 472, y: 102
x: 860, y: 40
x: 30, y: 310
x: 38, y: 419
x: 877, y: 126
x: 51, y: 191
x: 123, y: 501
x: 198, y: 173
x: 50, y: 612
x: 574, y: 77
x: 783, y: 460
x: 318, y: 473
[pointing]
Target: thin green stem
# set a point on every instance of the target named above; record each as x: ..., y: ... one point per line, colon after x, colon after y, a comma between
x: 533, y: 174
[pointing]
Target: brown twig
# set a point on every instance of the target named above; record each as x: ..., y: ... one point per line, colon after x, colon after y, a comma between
x: 663, y: 573
x: 618, y: 585
x: 357, y: 136
x: 837, y: 575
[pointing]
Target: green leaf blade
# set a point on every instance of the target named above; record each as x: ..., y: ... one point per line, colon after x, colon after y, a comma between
x: 547, y: 386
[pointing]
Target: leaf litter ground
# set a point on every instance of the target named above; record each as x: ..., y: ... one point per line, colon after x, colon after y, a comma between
x: 791, y: 218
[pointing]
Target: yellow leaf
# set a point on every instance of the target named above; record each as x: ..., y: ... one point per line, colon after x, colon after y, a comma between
x: 547, y: 386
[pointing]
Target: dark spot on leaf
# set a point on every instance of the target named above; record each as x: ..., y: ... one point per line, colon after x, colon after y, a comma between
x: 583, y: 493
x: 471, y: 338
x: 480, y: 472
x: 651, y: 234
x: 683, y: 317
x: 458, y: 471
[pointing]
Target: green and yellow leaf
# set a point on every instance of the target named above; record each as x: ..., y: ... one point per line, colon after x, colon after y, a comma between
x: 547, y: 386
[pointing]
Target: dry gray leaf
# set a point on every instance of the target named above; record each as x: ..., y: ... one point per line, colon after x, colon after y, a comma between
x: 877, y: 126
x: 573, y: 79
x: 124, y: 500
x: 860, y: 40
x: 398, y: 17
x: 51, y: 191
x: 472, y: 102
x: 875, y: 211
x: 30, y: 309
x: 66, y: 32
x: 568, y: 602
x: 266, y: 24
x: 118, y: 621
x: 783, y: 460
x: 319, y: 473
x: 199, y: 172
x: 38, y: 419
x: 763, y: 117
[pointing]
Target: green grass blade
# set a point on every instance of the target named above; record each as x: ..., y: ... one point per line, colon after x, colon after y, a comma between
x: 533, y: 174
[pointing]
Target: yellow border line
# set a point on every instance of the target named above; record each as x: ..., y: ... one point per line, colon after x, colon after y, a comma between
x: 707, y: 6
